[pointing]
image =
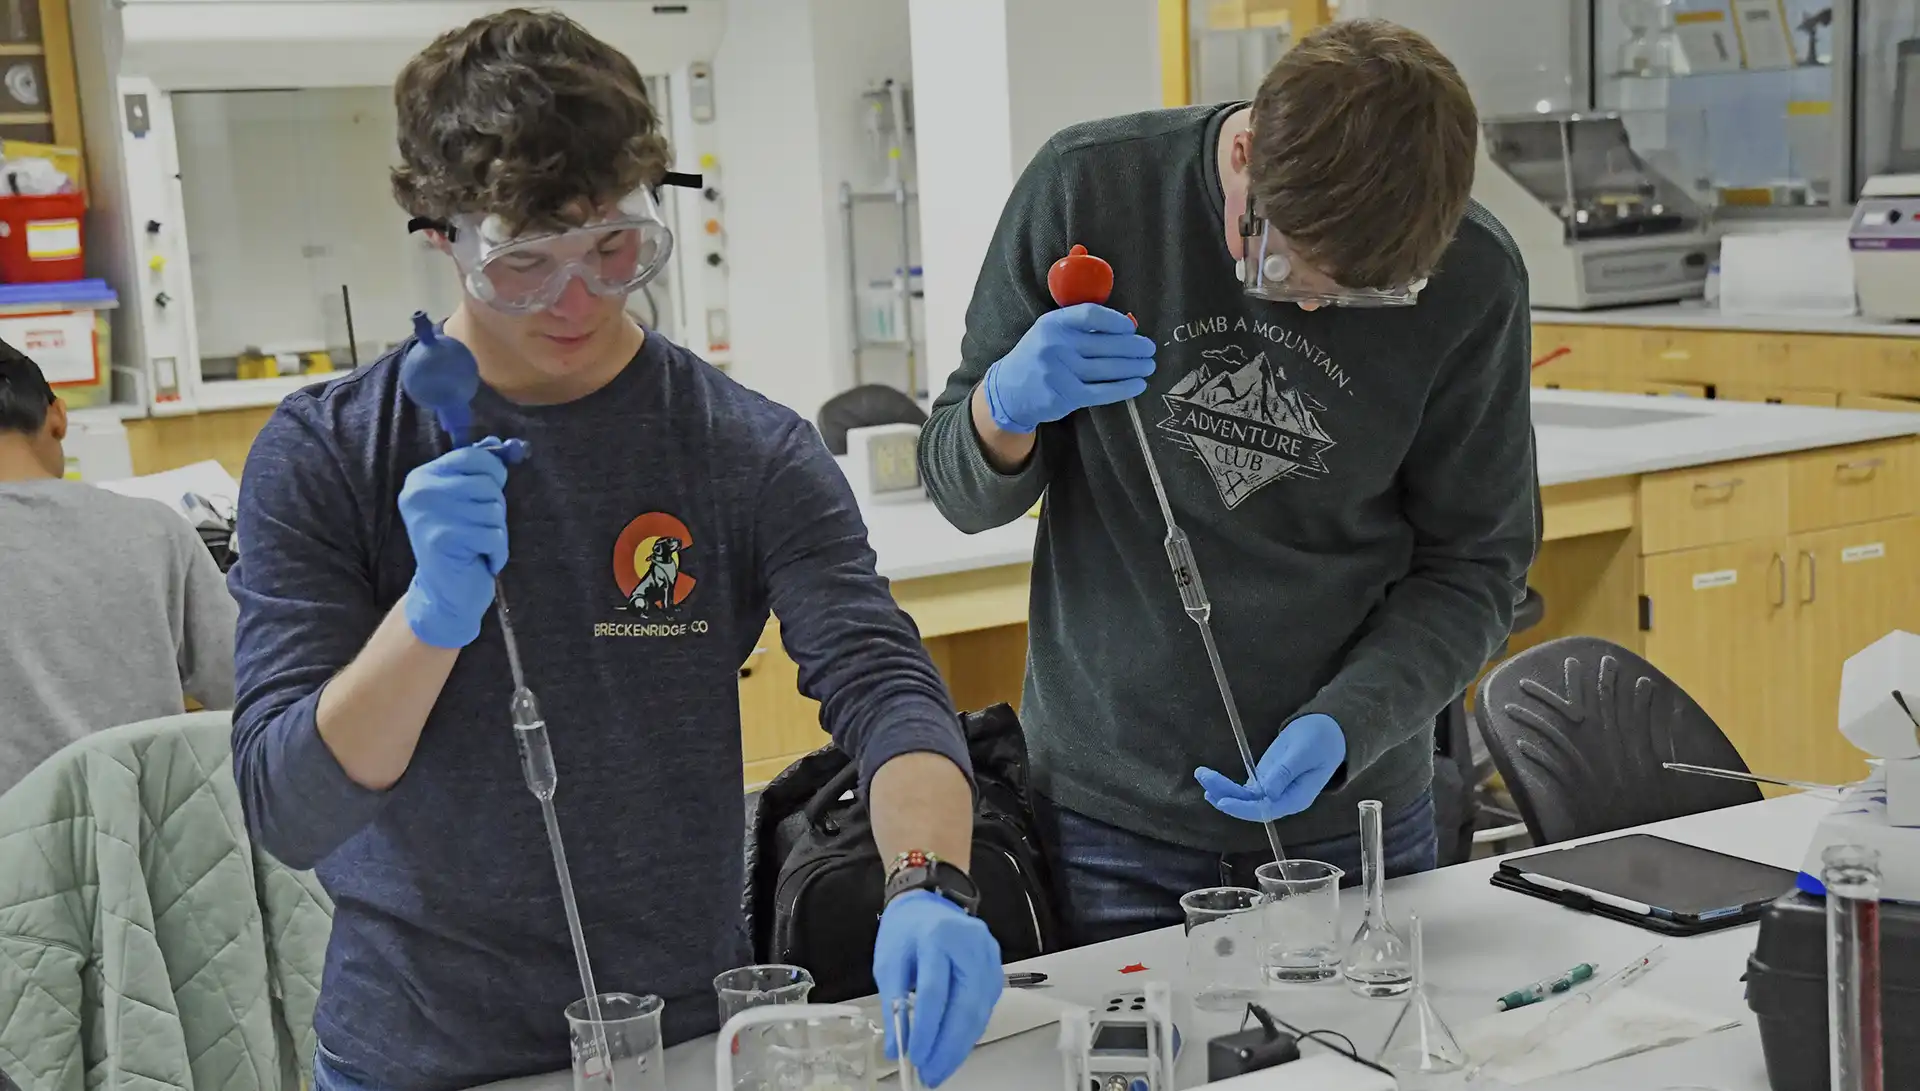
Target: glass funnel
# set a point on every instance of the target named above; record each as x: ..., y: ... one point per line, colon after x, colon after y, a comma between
x: 1420, y: 1045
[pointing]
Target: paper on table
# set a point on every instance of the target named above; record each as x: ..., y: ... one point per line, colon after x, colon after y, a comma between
x: 1019, y: 1011
x: 1628, y: 1022
x: 207, y: 479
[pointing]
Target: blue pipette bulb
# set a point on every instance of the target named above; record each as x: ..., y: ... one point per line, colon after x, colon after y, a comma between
x: 440, y: 374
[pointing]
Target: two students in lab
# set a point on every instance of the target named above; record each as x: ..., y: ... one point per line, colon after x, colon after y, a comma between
x: 1365, y: 552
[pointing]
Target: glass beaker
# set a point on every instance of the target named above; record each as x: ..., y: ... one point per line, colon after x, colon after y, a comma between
x: 621, y: 1048
x: 1223, y: 947
x: 758, y: 987
x: 809, y: 1047
x: 1301, y: 920
x: 1378, y: 963
x: 1852, y: 877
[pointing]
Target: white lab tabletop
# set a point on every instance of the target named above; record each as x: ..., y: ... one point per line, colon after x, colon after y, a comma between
x: 1695, y: 315
x: 1480, y: 941
x: 1582, y: 436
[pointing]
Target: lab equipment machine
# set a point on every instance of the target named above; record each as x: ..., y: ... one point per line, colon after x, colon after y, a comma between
x: 1880, y: 714
x: 1129, y: 1044
x: 1885, y: 234
x: 1595, y: 223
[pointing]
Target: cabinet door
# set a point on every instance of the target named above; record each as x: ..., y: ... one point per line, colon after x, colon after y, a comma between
x: 1720, y: 627
x: 777, y: 724
x: 1851, y: 587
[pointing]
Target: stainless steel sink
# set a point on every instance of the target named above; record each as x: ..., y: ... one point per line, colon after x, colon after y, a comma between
x: 1563, y: 415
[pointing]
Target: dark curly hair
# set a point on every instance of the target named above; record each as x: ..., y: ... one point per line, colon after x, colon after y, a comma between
x: 525, y: 115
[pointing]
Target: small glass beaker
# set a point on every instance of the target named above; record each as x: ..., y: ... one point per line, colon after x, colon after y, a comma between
x: 616, y: 1043
x: 749, y: 987
x: 1223, y: 947
x: 809, y: 1047
x: 1301, y: 920
x: 759, y: 987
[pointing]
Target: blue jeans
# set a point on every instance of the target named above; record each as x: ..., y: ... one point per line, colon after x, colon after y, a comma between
x: 331, y: 1074
x: 1109, y: 883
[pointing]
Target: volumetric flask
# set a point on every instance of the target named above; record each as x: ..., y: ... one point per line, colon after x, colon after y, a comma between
x: 1223, y: 947
x: 621, y: 1047
x: 1301, y: 920
x: 1378, y: 962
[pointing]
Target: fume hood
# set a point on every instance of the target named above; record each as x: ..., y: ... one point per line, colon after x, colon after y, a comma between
x: 240, y: 191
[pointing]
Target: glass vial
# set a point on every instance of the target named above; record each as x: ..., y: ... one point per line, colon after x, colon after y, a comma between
x: 1378, y: 963
x: 1852, y: 878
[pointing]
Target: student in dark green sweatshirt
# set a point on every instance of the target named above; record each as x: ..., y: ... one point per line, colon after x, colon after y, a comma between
x: 1344, y: 432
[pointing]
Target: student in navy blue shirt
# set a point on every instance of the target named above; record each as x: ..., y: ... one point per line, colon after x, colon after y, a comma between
x: 664, y: 511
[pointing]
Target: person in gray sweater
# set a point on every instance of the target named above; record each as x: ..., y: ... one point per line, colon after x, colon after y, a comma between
x: 114, y: 609
x: 1331, y: 365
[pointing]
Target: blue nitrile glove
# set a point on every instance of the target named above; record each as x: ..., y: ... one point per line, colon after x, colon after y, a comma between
x: 1290, y: 774
x: 1070, y: 359
x: 950, y: 962
x: 455, y: 510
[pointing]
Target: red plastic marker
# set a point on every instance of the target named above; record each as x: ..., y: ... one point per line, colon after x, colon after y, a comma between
x: 1081, y: 278
x: 1136, y: 968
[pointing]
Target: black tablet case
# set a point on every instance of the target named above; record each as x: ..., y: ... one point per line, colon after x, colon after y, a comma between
x: 1508, y: 877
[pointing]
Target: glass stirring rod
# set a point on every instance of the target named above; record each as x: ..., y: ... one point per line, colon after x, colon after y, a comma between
x: 1081, y: 277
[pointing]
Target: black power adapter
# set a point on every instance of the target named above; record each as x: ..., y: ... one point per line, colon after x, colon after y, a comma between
x: 1250, y: 1050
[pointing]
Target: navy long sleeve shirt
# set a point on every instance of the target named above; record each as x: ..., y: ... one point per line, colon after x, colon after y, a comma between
x: 656, y: 523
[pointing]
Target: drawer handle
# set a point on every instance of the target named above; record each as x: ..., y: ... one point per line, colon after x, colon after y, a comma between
x: 1726, y: 486
x: 1782, y: 563
x: 746, y: 669
x: 1864, y: 465
x: 1813, y: 577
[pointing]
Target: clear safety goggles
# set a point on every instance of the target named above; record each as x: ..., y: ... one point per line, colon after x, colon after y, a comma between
x: 1267, y: 272
x: 612, y: 255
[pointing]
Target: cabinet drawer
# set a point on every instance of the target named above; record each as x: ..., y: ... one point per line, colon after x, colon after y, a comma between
x: 1737, y: 392
x: 1841, y: 486
x: 1707, y: 505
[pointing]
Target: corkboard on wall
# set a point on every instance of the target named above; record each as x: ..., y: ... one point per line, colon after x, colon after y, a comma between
x: 166, y: 443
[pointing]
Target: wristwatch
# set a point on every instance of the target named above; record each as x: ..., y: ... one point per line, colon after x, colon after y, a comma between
x: 925, y: 871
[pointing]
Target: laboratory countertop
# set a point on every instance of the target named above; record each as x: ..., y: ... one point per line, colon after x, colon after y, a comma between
x: 1470, y: 929
x: 1582, y: 436
x: 1695, y: 315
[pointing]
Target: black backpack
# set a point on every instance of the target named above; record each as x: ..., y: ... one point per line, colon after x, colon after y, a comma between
x: 815, y: 879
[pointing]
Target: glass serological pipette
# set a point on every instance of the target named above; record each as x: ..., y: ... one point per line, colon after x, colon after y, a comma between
x: 1068, y: 288
x: 440, y: 375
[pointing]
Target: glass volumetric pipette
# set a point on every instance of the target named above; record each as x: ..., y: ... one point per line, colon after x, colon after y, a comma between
x: 536, y: 761
x: 1193, y: 599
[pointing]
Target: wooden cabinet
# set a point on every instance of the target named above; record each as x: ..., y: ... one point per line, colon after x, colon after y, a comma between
x: 777, y: 724
x: 1851, y: 586
x: 1721, y: 627
x: 1743, y: 392
x: 1742, y: 365
x: 1762, y: 577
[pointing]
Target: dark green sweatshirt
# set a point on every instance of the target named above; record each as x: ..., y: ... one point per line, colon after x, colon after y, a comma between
x: 1357, y: 484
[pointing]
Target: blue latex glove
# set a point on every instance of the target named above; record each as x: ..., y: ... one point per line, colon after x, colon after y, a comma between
x: 1070, y: 359
x: 950, y: 962
x: 455, y: 511
x: 1289, y: 777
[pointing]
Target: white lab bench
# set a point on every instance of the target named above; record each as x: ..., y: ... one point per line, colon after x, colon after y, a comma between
x: 1480, y: 943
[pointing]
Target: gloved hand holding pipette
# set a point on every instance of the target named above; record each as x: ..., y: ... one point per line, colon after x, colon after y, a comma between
x: 1072, y: 358
x: 1289, y: 777
x: 455, y: 511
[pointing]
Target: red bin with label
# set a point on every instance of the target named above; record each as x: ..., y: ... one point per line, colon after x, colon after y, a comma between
x: 40, y: 238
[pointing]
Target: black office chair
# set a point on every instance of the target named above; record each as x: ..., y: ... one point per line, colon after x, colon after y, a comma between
x: 1579, y: 727
x: 864, y: 407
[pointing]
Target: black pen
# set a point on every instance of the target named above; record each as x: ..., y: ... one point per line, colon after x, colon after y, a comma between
x: 1025, y: 980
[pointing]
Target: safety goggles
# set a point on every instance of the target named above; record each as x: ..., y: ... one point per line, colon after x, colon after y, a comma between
x: 1270, y: 270
x: 612, y: 255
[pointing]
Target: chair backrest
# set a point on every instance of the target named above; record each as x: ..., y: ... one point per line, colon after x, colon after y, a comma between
x: 864, y: 407
x: 1579, y: 727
